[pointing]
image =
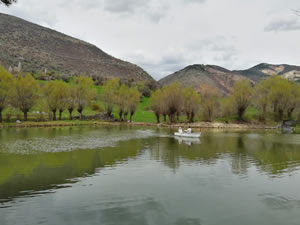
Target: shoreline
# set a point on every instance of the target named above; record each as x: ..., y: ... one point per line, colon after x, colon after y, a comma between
x: 197, y: 125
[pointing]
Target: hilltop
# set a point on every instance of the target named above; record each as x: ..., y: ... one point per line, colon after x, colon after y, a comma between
x: 202, y: 76
x: 264, y: 70
x: 32, y: 48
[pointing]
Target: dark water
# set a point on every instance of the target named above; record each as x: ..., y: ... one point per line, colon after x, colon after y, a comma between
x: 145, y: 176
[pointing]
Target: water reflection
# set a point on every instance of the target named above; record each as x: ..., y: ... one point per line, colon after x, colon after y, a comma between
x: 187, y: 141
x: 277, y: 202
x: 30, y: 174
x: 272, y: 153
x: 56, y: 165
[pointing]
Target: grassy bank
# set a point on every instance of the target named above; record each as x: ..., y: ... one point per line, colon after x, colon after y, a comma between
x: 142, y: 117
x: 199, y: 125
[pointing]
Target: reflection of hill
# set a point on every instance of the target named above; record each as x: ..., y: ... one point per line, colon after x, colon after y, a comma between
x: 44, y: 171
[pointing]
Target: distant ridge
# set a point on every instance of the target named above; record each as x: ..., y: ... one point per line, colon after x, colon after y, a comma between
x: 203, y: 76
x: 264, y: 70
x: 42, y: 50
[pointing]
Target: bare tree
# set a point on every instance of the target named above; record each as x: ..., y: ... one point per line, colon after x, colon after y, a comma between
x: 7, y: 2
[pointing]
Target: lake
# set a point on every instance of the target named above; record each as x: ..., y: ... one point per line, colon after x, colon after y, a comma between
x: 137, y: 176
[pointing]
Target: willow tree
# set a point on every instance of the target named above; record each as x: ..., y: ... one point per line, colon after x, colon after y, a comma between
x: 71, y: 100
x: 121, y: 101
x: 134, y: 97
x: 85, y: 93
x: 279, y: 95
x: 172, y: 97
x: 191, y: 103
x: 6, y: 80
x: 25, y: 93
x: 294, y: 100
x: 209, y: 102
x: 261, y: 97
x: 56, y: 95
x: 241, y: 97
x: 157, y: 104
x: 109, y: 95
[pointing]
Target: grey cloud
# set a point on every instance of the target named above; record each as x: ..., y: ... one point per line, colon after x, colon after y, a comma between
x: 194, y: 1
x: 162, y: 65
x: 154, y: 10
x: 123, y: 6
x: 218, y: 50
x: 283, y: 25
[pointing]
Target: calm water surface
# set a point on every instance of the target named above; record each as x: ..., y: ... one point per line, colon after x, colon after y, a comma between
x: 140, y: 176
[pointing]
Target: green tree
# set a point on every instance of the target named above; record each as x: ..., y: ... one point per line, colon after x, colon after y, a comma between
x: 157, y: 104
x: 134, y: 97
x: 191, y: 103
x: 294, y: 100
x: 109, y: 95
x: 71, y: 100
x: 6, y: 80
x: 279, y: 95
x: 56, y: 95
x: 63, y: 96
x: 173, y: 99
x: 85, y: 93
x: 261, y: 97
x: 241, y: 97
x: 25, y: 93
x: 121, y: 100
x: 209, y: 102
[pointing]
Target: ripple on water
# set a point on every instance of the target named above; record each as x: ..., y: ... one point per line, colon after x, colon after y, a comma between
x: 92, y: 140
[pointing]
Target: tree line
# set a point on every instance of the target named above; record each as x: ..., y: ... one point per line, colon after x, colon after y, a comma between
x: 23, y: 92
x: 275, y: 98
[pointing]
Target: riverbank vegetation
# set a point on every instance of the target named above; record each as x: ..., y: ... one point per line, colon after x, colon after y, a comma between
x: 23, y: 98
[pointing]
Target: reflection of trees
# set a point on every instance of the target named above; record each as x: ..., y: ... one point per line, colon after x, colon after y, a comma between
x: 165, y: 150
x: 264, y: 150
x: 239, y: 162
x: 43, y: 171
x: 276, y: 158
x: 273, y: 154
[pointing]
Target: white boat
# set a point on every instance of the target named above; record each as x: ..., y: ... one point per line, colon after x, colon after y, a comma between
x: 190, y: 135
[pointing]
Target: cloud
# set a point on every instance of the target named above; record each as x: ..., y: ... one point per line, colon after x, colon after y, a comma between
x: 219, y: 51
x: 124, y: 6
x: 291, y: 24
x: 154, y: 10
x: 194, y: 1
x: 164, y: 36
x: 160, y: 65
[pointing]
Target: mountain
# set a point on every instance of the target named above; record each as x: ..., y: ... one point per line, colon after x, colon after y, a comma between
x: 203, y: 76
x: 208, y: 76
x: 32, y: 48
x: 264, y: 70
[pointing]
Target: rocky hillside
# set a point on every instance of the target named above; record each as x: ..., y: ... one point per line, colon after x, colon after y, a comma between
x: 202, y: 76
x: 32, y: 48
x: 264, y: 70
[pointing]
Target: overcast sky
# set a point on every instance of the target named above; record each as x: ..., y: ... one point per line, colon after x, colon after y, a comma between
x: 163, y: 36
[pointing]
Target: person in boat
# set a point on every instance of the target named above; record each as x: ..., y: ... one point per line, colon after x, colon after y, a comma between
x: 180, y: 130
x: 189, y: 130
